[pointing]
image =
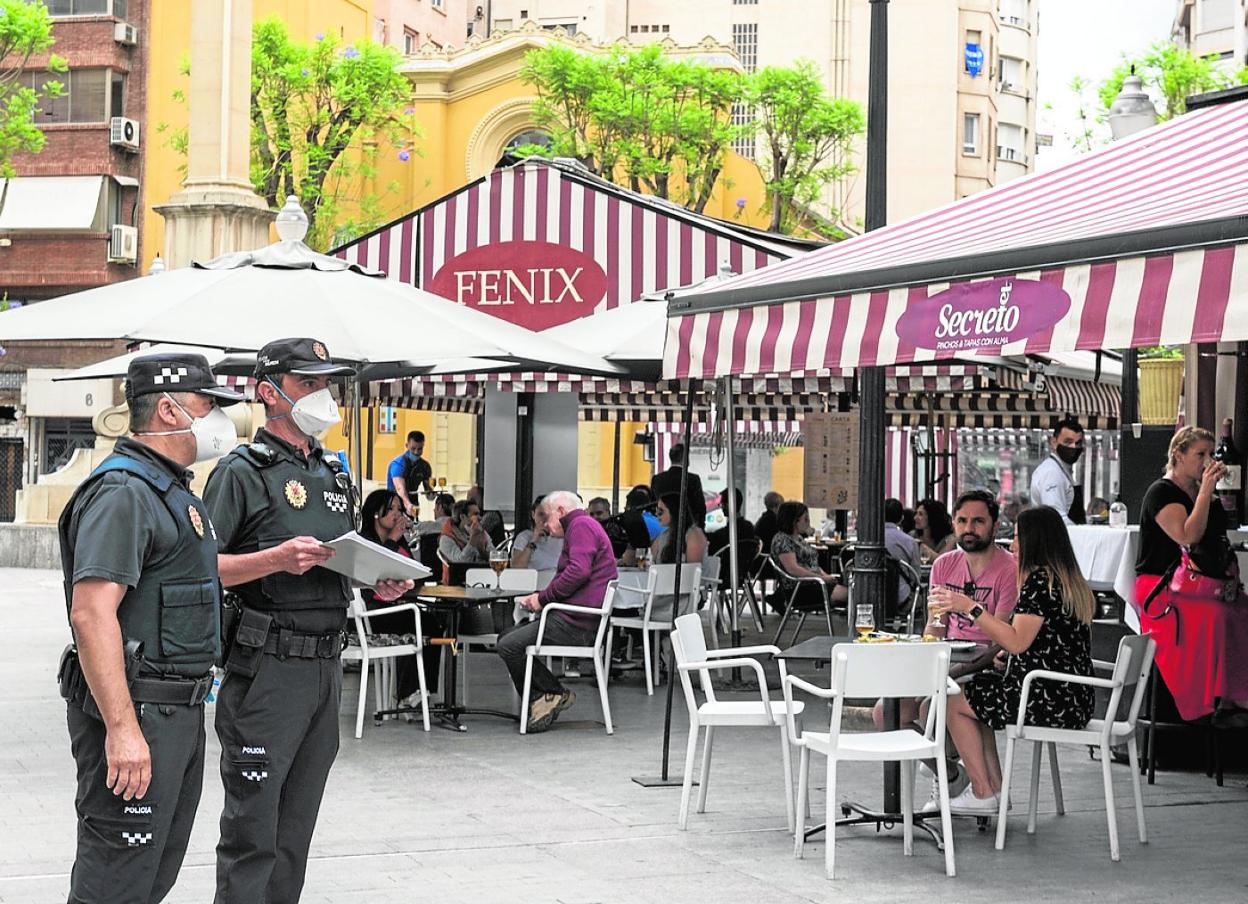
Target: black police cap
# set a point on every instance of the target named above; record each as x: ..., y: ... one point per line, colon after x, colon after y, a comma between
x: 297, y: 356
x: 176, y: 373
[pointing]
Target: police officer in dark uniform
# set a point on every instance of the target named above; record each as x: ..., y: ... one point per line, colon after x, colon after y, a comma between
x: 140, y: 565
x: 273, y: 502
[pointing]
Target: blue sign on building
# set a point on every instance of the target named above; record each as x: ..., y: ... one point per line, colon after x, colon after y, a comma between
x: 974, y: 59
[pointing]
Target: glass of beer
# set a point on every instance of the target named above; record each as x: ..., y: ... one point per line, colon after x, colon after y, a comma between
x: 498, y: 561
x: 864, y: 620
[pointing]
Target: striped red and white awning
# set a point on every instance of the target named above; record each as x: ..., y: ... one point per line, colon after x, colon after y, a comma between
x: 1142, y: 243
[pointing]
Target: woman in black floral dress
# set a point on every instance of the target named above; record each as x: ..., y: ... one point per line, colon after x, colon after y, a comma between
x: 1050, y: 629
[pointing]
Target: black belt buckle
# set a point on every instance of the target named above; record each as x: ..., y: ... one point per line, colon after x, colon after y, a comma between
x: 201, y: 689
x: 329, y: 645
x: 284, y: 639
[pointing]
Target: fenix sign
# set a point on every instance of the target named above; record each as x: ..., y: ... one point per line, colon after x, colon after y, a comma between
x: 534, y: 284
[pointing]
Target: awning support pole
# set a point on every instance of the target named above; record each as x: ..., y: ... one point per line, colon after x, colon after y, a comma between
x: 615, y: 471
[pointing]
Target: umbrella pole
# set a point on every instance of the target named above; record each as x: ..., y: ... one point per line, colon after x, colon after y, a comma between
x: 357, y: 445
x: 734, y: 565
x: 664, y: 780
x: 615, y: 471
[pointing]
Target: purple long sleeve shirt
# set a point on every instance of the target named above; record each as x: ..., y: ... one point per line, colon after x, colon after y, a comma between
x: 586, y: 566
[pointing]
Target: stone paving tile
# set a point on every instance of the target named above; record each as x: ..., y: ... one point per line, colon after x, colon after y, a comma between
x: 554, y: 818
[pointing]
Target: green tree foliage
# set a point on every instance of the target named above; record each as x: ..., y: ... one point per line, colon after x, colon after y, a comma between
x: 637, y: 117
x: 1171, y: 73
x: 25, y: 32
x: 806, y: 137
x: 318, y: 113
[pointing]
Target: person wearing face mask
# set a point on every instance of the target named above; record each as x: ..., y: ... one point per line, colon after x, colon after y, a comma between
x: 139, y: 556
x: 1053, y: 483
x: 274, y: 501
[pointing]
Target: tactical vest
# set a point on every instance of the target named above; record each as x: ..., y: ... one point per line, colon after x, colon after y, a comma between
x: 301, y: 502
x: 175, y: 609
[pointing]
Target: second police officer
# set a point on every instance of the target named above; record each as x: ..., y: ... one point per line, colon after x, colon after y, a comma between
x: 273, y: 502
x: 140, y: 565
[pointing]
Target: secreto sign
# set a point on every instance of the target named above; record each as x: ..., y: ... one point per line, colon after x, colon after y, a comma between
x: 534, y: 284
x: 983, y: 315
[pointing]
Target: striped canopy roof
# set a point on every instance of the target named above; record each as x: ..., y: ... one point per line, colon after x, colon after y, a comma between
x: 1141, y: 243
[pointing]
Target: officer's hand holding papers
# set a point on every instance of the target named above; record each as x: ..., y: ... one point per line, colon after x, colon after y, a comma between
x: 369, y: 564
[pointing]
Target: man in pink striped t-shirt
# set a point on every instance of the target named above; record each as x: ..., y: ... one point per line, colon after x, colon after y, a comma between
x: 977, y: 568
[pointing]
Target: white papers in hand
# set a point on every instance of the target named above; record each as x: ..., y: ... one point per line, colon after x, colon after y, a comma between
x: 366, y: 562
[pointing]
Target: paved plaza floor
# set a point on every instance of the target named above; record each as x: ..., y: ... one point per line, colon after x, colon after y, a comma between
x: 489, y: 815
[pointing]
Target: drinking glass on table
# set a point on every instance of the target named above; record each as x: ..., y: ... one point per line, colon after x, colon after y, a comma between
x: 498, y: 561
x: 864, y: 619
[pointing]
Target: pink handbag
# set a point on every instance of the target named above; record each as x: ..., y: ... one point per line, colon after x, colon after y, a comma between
x: 1190, y: 583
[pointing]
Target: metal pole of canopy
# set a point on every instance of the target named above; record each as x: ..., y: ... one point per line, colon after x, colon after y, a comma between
x: 734, y: 565
x: 615, y: 471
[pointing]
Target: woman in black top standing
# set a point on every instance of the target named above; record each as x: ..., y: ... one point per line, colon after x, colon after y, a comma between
x: 1201, y: 640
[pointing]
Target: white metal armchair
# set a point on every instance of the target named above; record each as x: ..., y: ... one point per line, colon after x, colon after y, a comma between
x: 526, y: 579
x: 652, y: 620
x: 1130, y: 672
x: 374, y: 655
x: 689, y: 644
x: 596, y: 652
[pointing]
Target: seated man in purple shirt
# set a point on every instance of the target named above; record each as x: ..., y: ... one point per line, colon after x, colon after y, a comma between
x: 586, y: 566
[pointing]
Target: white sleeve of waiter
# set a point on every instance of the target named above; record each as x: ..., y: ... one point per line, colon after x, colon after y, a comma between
x: 1051, y: 486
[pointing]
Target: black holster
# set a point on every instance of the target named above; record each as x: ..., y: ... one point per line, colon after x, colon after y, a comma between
x: 73, y: 683
x: 231, y: 612
x: 249, y: 639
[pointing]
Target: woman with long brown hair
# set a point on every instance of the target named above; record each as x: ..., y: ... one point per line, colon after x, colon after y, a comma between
x: 1050, y: 629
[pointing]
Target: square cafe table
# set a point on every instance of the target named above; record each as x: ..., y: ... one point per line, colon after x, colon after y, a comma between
x: 455, y: 601
x: 818, y: 650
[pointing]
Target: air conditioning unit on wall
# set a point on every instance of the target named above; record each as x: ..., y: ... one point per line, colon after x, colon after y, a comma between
x: 124, y: 133
x: 125, y: 33
x: 123, y: 245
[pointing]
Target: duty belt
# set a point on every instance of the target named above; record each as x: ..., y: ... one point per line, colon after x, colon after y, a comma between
x: 174, y: 691
x: 284, y: 643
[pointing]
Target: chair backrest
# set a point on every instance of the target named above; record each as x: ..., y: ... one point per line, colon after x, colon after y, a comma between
x: 661, y: 579
x: 544, y: 577
x: 1131, y: 669
x: 889, y: 670
x: 608, y: 603
x: 479, y: 577
x: 359, y: 615
x: 711, y: 568
x: 689, y: 646
x: 519, y: 579
x: 429, y: 555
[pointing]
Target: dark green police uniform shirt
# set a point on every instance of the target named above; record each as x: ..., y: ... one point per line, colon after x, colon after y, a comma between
x: 124, y: 523
x: 237, y: 502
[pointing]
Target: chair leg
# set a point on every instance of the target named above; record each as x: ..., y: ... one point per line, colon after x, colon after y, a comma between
x: 946, y: 818
x: 424, y: 693
x: 1037, y: 750
x: 1006, y: 774
x: 1133, y: 757
x: 524, y: 696
x: 645, y: 658
x: 755, y: 611
x: 1111, y: 814
x: 359, y: 710
x: 775, y: 641
x: 606, y: 656
x: 803, y: 800
x: 600, y: 672
x: 827, y: 612
x: 907, y: 807
x: 801, y: 620
x: 1057, y: 779
x: 705, y: 777
x: 462, y: 665
x: 788, y: 777
x: 829, y: 854
x: 691, y: 750
x: 1152, y: 725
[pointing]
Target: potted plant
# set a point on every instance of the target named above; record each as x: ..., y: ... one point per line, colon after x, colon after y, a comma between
x: 1161, y: 384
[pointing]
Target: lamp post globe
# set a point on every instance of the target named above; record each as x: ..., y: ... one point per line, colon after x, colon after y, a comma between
x: 1131, y: 111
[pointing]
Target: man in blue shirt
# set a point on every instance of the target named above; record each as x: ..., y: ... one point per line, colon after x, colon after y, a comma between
x: 409, y: 473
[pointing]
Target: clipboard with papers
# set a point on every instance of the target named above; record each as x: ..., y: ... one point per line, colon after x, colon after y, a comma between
x: 366, y: 562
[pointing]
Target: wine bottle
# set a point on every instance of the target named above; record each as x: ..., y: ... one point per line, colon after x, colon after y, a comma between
x: 1231, y: 487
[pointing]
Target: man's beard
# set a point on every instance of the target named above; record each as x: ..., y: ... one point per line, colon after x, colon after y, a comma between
x: 973, y: 543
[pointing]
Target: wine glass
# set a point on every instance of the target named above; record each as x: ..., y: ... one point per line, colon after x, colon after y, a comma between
x: 498, y: 561
x: 936, y: 613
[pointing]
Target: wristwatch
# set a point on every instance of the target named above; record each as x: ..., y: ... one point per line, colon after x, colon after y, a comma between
x: 975, y: 612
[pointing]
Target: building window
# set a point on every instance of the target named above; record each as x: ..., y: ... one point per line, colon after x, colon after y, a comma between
x: 437, y: 4
x: 745, y: 42
x: 1010, y: 142
x: 411, y: 41
x: 379, y: 31
x: 745, y: 2
x: 502, y: 24
x: 1012, y: 75
x: 86, y: 8
x: 568, y: 27
x: 970, y: 134
x: 634, y: 29
x: 666, y: 29
x: 744, y: 144
x: 1013, y: 11
x: 90, y: 95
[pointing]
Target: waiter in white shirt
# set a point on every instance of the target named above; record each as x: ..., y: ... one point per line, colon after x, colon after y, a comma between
x: 1052, y: 483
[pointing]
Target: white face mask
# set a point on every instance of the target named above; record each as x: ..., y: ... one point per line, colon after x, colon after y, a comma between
x: 314, y: 413
x: 214, y: 432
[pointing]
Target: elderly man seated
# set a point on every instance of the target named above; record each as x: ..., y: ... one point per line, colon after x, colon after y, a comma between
x: 586, y: 566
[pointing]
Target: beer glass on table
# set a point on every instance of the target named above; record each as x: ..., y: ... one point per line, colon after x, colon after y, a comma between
x: 864, y: 620
x: 498, y: 561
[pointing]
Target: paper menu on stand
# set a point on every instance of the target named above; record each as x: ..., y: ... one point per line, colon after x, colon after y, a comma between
x: 366, y: 562
x: 831, y: 460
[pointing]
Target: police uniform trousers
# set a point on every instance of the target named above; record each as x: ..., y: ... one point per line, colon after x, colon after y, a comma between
x: 279, y: 737
x: 130, y: 851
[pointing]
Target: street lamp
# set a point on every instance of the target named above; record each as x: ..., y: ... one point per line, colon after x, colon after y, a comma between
x: 157, y: 266
x: 1132, y: 111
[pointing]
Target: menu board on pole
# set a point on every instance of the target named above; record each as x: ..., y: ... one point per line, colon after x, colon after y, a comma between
x: 831, y: 459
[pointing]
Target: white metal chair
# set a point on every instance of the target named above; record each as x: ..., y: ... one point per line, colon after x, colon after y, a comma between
x: 1130, y: 671
x: 861, y: 671
x: 525, y: 579
x: 380, y: 656
x: 689, y: 644
x: 597, y: 653
x: 660, y: 582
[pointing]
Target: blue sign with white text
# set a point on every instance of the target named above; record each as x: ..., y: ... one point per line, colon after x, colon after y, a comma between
x: 974, y: 59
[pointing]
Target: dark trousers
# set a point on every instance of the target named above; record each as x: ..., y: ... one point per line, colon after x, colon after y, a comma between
x: 279, y: 738
x: 129, y: 852
x: 512, y: 643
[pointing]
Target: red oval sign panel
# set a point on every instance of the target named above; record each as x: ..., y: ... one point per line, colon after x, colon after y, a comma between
x: 983, y: 315
x: 534, y: 284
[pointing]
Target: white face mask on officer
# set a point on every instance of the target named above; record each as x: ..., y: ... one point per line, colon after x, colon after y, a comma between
x: 314, y: 413
x: 214, y: 432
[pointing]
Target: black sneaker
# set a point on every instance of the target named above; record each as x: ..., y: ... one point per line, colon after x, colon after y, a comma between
x: 566, y: 699
x: 542, y: 712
